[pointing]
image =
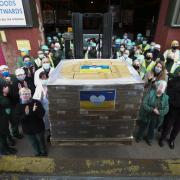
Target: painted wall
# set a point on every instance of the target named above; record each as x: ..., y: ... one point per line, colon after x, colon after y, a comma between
x: 165, y: 34
x: 2, y: 60
x: 34, y: 35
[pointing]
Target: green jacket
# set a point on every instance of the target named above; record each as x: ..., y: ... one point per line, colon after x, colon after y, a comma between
x: 20, y: 62
x: 151, y: 101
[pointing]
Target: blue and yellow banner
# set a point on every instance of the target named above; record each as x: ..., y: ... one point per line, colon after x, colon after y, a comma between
x: 97, y: 100
x: 94, y: 68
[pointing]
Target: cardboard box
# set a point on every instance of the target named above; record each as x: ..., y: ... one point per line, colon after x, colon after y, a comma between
x: 70, y: 122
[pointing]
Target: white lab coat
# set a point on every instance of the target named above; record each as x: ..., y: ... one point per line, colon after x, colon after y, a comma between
x: 36, y: 75
x: 41, y: 95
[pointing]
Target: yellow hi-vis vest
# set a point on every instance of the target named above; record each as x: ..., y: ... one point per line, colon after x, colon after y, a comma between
x: 174, y: 67
x: 150, y: 66
x: 145, y: 48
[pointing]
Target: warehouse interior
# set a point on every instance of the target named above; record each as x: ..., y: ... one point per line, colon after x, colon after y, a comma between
x: 132, y: 16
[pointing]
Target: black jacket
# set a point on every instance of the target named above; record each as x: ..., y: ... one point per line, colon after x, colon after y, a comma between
x: 15, y: 89
x: 33, y: 122
x: 173, y: 91
x: 30, y: 78
x: 5, y: 104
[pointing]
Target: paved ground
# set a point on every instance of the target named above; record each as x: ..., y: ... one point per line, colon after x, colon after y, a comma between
x: 135, y: 151
x: 116, y: 162
x: 93, y: 178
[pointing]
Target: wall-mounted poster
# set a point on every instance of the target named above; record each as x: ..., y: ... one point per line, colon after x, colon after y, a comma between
x: 23, y: 44
x: 12, y: 13
x: 97, y: 100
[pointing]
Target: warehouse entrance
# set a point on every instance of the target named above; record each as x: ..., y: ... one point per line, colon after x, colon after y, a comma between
x: 132, y: 16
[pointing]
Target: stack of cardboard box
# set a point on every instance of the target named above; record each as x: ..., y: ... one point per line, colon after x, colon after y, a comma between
x: 100, y: 106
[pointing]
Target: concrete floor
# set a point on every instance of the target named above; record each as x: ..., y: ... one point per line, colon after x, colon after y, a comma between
x: 135, y: 151
x: 116, y: 162
x: 24, y: 177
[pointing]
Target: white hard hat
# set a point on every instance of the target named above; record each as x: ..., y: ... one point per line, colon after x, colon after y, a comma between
x: 153, y: 44
x: 2, y: 67
x: 19, y: 71
x: 157, y: 46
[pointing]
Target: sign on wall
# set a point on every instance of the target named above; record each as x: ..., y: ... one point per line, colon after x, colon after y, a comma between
x: 12, y: 13
x: 23, y: 44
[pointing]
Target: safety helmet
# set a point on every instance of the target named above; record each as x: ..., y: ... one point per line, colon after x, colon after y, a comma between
x: 118, y: 41
x: 44, y: 47
x: 48, y: 38
x: 139, y: 35
x: 19, y: 71
x: 3, y: 67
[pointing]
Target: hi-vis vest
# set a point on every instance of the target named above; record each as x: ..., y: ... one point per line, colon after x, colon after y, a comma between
x: 174, y: 67
x: 145, y: 48
x: 176, y: 56
x: 150, y: 66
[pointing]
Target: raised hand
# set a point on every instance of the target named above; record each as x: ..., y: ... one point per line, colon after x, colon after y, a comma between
x: 34, y: 107
x: 27, y: 110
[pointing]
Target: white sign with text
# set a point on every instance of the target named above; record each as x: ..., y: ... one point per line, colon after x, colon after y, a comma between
x: 12, y: 13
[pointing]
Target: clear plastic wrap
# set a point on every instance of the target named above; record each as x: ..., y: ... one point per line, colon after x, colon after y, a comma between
x: 57, y: 78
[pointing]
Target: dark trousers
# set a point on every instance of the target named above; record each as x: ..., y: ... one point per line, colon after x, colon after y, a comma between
x: 14, y: 122
x: 3, y: 144
x: 149, y: 127
x: 38, y: 143
x: 171, y: 124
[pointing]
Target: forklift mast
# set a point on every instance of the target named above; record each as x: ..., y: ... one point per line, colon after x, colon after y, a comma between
x: 107, y: 24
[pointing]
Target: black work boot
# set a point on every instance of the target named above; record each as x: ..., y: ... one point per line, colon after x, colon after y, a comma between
x: 171, y: 144
x: 11, y: 141
x: 161, y: 143
x: 12, y: 150
x: 18, y: 136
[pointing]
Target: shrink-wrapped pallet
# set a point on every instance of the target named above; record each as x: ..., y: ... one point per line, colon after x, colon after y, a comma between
x: 94, y: 100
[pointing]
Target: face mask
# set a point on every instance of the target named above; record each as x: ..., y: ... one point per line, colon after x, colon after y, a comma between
x: 46, y: 66
x: 174, y: 47
x: 28, y: 64
x: 137, y: 55
x: 122, y: 49
x: 136, y: 67
x: 157, y: 70
x: 56, y: 48
x: 21, y: 77
x: 25, y: 101
x: 169, y: 60
x: 125, y: 56
x: 148, y: 57
x: 125, y: 37
x: 5, y: 74
x: 144, y: 42
x: 44, y: 82
x: 41, y: 56
x: 46, y: 52
x: 138, y: 38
